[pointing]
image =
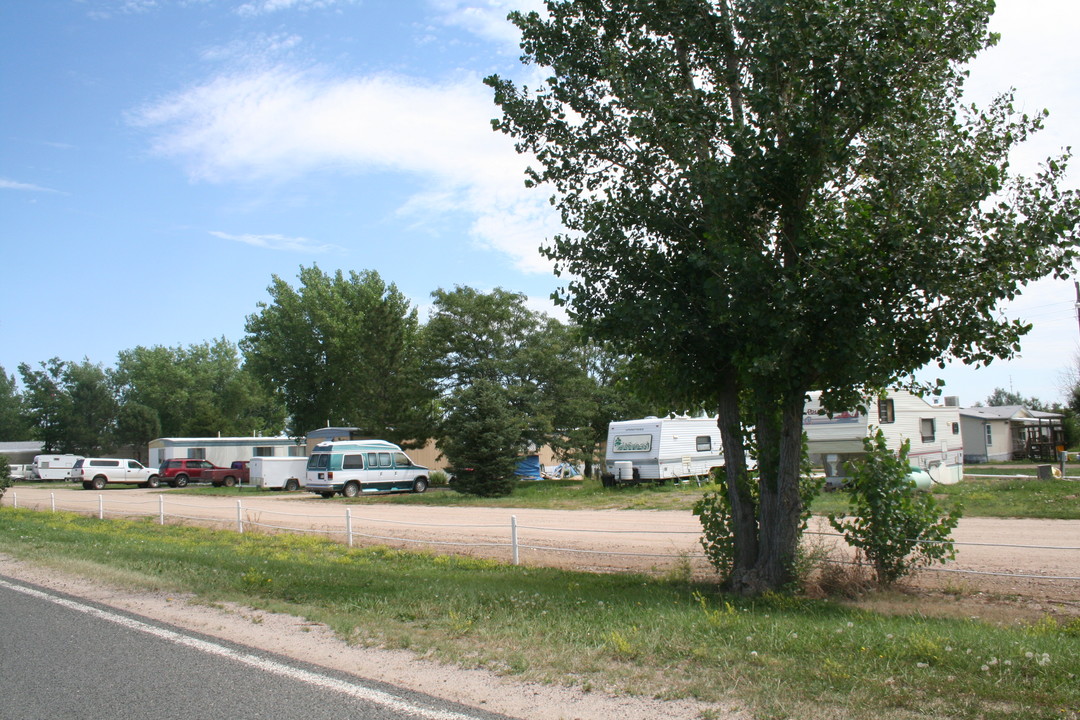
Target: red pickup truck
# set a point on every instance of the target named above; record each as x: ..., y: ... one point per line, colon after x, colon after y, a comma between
x: 235, y: 474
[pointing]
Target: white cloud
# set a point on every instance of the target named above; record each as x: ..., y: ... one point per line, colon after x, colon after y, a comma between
x: 6, y: 184
x: 486, y: 18
x: 265, y: 7
x: 279, y: 242
x: 281, y: 123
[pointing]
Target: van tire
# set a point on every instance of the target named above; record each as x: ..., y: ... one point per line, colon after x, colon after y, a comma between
x: 327, y: 495
x: 152, y: 482
x: 179, y: 481
x: 419, y: 485
x: 351, y: 489
x: 292, y: 485
x: 99, y: 482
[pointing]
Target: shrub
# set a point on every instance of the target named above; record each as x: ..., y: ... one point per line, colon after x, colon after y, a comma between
x: 894, y: 525
x: 438, y: 478
x: 5, y: 475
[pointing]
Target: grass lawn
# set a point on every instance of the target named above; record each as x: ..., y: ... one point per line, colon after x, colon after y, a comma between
x: 667, y: 637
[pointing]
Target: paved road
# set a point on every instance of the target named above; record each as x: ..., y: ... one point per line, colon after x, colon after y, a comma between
x: 63, y: 657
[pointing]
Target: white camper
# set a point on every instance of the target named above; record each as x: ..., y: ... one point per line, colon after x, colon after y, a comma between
x: 657, y: 449
x: 933, y: 430
x: 53, y: 467
x: 278, y: 473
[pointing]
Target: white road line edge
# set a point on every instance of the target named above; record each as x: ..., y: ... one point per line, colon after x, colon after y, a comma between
x: 357, y: 691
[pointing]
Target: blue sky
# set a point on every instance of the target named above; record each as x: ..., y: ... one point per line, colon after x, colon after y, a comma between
x: 160, y: 160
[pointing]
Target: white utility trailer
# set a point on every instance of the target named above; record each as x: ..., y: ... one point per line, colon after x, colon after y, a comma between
x: 933, y: 430
x: 657, y: 449
x: 278, y: 473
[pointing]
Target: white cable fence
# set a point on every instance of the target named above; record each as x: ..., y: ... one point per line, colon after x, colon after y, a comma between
x: 499, y: 540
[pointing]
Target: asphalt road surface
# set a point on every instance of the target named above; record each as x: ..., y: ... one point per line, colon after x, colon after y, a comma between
x: 64, y: 657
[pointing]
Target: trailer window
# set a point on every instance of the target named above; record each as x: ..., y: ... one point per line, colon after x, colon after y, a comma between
x: 704, y: 443
x: 886, y: 412
x: 927, y: 426
x: 352, y: 462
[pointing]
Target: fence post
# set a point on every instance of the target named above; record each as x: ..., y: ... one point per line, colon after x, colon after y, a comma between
x: 101, y: 507
x: 239, y: 517
x: 513, y: 537
x: 161, y: 509
x: 14, y: 500
x: 52, y: 501
x: 348, y: 524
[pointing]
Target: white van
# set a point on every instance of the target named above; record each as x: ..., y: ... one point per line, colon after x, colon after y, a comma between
x: 278, y: 473
x: 52, y: 467
x: 351, y: 467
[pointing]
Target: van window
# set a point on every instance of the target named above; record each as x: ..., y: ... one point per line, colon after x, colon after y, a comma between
x: 318, y: 461
x: 384, y: 460
x: 401, y: 460
x: 704, y: 443
x: 352, y: 462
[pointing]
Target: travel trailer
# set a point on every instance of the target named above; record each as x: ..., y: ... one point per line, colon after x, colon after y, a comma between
x: 53, y: 467
x: 933, y: 430
x: 658, y: 449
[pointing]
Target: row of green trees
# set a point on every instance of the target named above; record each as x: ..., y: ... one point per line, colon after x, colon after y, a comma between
x: 485, y: 375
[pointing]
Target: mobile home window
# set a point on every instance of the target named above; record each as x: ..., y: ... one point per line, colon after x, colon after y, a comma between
x: 264, y: 452
x: 886, y: 412
x: 989, y: 435
x: 196, y: 453
x: 296, y: 451
x: 352, y: 462
x: 704, y: 443
x: 956, y: 428
x: 927, y: 425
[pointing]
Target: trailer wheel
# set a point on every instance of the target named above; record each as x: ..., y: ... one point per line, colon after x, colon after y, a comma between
x: 292, y: 485
x: 351, y: 489
x: 98, y: 483
x: 419, y: 485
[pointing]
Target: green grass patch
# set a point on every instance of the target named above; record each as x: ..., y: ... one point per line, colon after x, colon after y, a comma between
x: 990, y: 497
x: 667, y: 638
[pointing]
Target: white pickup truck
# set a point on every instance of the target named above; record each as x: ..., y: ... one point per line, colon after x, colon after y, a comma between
x: 96, y: 473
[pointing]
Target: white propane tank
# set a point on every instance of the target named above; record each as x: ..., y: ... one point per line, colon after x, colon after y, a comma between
x: 624, y: 470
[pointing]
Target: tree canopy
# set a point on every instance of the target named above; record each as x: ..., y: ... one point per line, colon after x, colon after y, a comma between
x: 342, y: 350
x: 764, y: 198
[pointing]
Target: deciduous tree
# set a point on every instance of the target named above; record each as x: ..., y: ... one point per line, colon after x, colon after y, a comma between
x: 765, y: 198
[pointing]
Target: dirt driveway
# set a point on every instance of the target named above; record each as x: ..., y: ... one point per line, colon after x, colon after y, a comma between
x: 1006, y: 558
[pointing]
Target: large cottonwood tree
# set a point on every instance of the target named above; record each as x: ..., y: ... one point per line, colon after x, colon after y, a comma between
x: 764, y: 197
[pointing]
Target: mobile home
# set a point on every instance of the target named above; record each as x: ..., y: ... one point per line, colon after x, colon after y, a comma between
x: 657, y: 449
x: 222, y: 451
x: 936, y: 443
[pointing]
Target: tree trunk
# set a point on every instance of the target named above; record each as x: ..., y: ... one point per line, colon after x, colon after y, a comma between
x: 743, y: 507
x: 778, y: 431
